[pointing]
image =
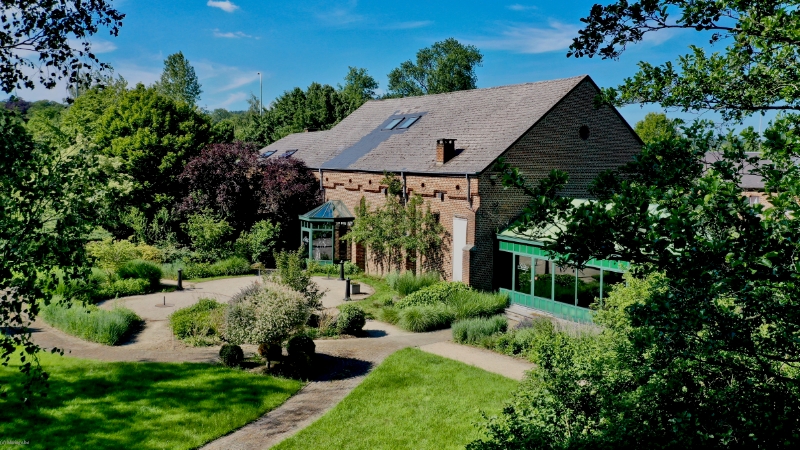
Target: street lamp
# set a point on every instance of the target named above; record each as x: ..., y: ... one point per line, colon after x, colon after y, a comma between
x: 261, y: 96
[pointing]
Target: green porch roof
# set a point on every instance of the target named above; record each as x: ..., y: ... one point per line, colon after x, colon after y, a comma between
x: 330, y: 211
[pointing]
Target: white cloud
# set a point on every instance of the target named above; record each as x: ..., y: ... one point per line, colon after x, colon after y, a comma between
x: 231, y: 99
x: 98, y: 46
x: 530, y: 39
x: 225, y: 5
x: 518, y: 7
x: 217, y: 78
x: 232, y: 35
x: 410, y: 25
x: 340, y: 15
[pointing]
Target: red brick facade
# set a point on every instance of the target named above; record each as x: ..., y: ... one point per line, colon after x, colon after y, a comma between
x: 553, y: 143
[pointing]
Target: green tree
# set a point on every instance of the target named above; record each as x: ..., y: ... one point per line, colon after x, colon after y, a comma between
x: 37, y: 36
x: 45, y: 213
x: 178, y: 80
x: 446, y: 66
x: 358, y: 87
x: 153, y: 137
x: 656, y: 126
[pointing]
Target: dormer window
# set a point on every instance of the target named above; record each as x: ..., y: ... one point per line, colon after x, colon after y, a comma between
x: 289, y: 153
x: 393, y: 123
x: 408, y: 122
x: 266, y: 155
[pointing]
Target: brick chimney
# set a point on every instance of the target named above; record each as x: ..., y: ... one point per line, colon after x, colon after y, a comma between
x: 445, y: 150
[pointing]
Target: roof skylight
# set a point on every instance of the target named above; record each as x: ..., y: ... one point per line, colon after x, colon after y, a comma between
x: 289, y: 153
x: 410, y: 121
x: 267, y: 154
x: 393, y: 123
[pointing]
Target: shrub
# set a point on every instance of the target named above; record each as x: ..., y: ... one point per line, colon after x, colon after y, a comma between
x: 110, y: 255
x: 437, y: 293
x: 421, y: 318
x: 473, y: 331
x: 235, y: 265
x: 119, y: 288
x: 231, y: 355
x: 351, y: 319
x: 170, y: 270
x: 92, y: 323
x: 389, y: 314
x: 200, y: 323
x: 469, y: 304
x: 150, y: 253
x: 300, y: 345
x: 289, y: 272
x: 268, y: 314
x: 408, y: 283
x: 257, y: 243
x: 208, y: 235
x: 143, y: 270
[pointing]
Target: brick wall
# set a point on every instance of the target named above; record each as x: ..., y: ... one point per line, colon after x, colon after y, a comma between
x: 554, y: 143
x: 349, y: 187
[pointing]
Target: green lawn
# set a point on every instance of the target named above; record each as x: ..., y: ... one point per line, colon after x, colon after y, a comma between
x: 414, y: 400
x: 98, y: 405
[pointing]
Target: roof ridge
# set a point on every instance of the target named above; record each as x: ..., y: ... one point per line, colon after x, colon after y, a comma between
x: 505, y: 86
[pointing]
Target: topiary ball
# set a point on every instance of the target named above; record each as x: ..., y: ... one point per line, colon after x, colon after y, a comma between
x: 351, y: 319
x: 300, y: 345
x: 270, y: 351
x: 231, y: 355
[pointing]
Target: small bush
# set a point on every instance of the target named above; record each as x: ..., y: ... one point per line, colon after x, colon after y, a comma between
x: 92, y: 323
x: 231, y: 355
x: 421, y: 318
x: 351, y: 319
x: 269, y: 313
x: 407, y: 283
x: 473, y: 331
x: 227, y: 267
x: 143, y: 270
x: 437, y: 293
x: 120, y: 288
x: 469, y: 304
x: 389, y: 315
x: 170, y: 270
x: 200, y: 323
x: 523, y: 338
x: 300, y: 345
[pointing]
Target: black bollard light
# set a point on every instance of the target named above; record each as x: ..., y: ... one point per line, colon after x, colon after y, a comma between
x: 180, y: 279
x: 341, y: 270
x: 347, y: 289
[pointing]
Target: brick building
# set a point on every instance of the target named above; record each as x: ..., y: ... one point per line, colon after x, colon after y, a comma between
x: 443, y: 147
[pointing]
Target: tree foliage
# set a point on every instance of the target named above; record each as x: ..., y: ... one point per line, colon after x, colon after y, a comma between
x: 43, y: 29
x: 446, y: 66
x: 234, y: 182
x: 656, y: 126
x: 754, y: 72
x: 45, y: 214
x: 178, y: 80
x: 154, y: 137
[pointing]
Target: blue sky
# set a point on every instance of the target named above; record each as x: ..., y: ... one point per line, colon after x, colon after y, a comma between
x: 296, y: 43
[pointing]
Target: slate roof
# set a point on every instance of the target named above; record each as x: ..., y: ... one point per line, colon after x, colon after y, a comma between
x: 485, y: 122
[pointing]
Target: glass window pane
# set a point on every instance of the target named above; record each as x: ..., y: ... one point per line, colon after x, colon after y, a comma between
x: 565, y: 285
x: 322, y: 249
x: 522, y: 276
x: 393, y: 123
x: 542, y: 284
x: 588, y: 286
x: 410, y: 121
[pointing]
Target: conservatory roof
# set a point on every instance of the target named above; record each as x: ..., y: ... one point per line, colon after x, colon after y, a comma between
x: 331, y: 211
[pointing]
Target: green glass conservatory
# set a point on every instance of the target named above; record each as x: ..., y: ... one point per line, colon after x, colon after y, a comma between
x: 321, y: 230
x: 531, y: 278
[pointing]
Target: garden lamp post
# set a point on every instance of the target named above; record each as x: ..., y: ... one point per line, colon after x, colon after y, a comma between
x: 261, y: 94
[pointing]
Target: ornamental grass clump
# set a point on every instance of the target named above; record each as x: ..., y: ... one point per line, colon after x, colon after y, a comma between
x: 92, y: 323
x: 421, y: 318
x: 475, y: 331
x: 407, y: 283
x: 141, y: 270
x: 431, y: 295
x: 469, y: 304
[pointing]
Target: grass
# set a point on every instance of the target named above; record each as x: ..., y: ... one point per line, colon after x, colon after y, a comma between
x: 407, y: 283
x: 474, y: 331
x: 221, y: 277
x: 413, y: 400
x: 375, y: 302
x: 100, y: 405
x: 92, y: 323
x: 199, y: 325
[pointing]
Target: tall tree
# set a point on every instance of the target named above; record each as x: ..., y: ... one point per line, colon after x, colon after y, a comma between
x: 710, y: 357
x: 656, y: 126
x: 358, y: 87
x: 36, y: 34
x: 446, y: 66
x: 178, y: 80
x: 45, y: 213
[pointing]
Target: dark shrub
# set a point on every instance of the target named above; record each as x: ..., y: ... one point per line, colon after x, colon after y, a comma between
x: 299, y: 345
x: 270, y: 351
x: 231, y: 355
x: 142, y: 270
x: 351, y: 319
